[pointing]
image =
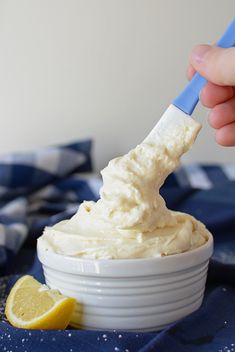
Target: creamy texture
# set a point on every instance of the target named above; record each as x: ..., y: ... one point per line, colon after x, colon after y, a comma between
x: 131, y: 220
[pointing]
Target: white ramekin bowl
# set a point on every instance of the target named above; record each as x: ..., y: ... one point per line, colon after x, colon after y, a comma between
x: 131, y: 294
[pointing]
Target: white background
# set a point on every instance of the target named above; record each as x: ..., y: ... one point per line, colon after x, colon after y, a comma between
x: 106, y: 69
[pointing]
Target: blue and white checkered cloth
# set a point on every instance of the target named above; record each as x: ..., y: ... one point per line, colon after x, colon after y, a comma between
x: 43, y: 187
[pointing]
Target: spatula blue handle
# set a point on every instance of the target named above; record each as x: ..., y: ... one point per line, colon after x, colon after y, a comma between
x: 188, y: 98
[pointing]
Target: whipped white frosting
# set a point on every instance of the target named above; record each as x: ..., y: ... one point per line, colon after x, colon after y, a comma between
x: 131, y: 220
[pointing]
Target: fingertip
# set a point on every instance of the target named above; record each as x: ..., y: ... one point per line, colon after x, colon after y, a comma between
x: 222, y: 115
x: 214, y: 63
x: 203, y: 97
x: 190, y: 72
x: 207, y: 97
x: 225, y: 136
x: 198, y: 53
x: 215, y: 118
x: 212, y: 95
x: 211, y: 119
x: 220, y: 138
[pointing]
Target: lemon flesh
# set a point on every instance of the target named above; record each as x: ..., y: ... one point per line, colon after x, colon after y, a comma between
x: 31, y: 305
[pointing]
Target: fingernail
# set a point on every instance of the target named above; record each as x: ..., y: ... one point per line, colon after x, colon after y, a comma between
x: 199, y: 52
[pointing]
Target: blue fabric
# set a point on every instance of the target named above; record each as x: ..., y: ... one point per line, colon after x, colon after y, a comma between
x: 39, y: 188
x: 44, y: 187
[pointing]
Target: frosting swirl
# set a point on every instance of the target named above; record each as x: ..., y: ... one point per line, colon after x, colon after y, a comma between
x: 131, y: 220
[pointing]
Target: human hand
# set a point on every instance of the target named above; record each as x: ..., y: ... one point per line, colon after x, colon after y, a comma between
x: 217, y: 65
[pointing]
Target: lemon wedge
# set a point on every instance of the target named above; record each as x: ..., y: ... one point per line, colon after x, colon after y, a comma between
x: 31, y: 305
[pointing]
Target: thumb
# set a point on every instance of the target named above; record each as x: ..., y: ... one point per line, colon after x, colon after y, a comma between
x: 216, y: 64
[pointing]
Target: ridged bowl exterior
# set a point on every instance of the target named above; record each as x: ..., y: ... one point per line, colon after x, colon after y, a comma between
x: 132, y: 294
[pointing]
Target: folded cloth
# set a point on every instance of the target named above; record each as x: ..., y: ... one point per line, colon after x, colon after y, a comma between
x: 42, y: 188
x: 38, y: 189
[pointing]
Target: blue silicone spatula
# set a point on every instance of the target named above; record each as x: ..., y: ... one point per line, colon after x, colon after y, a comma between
x: 185, y: 103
